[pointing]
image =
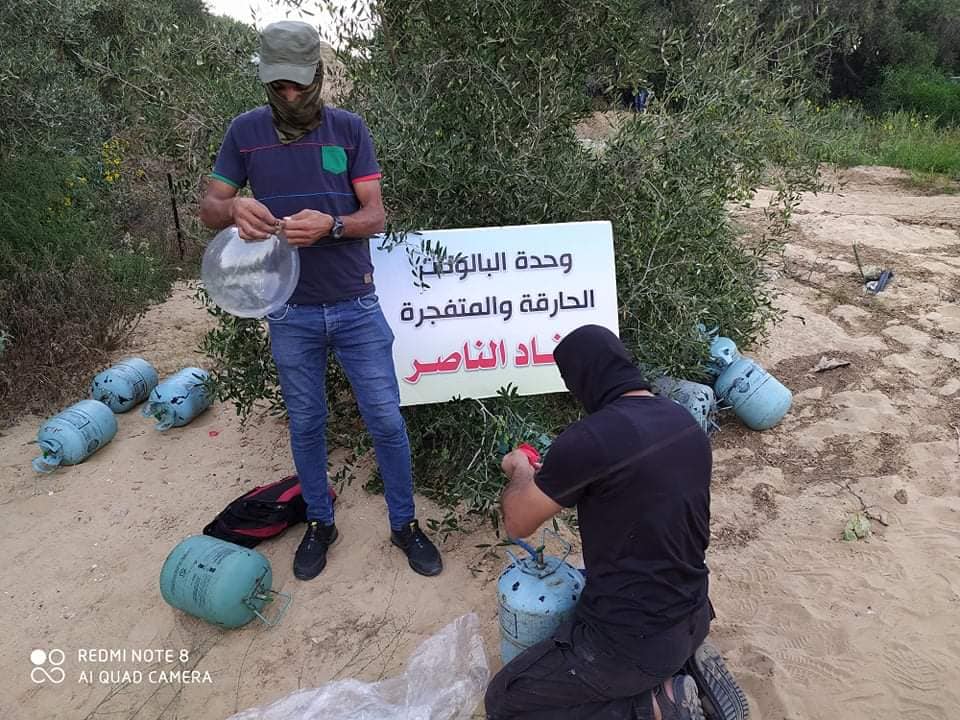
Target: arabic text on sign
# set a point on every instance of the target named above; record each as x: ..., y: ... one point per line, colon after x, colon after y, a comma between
x: 483, y: 356
x: 464, y: 265
x: 490, y: 307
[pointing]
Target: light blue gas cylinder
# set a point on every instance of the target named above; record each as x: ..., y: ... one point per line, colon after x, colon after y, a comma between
x: 74, y: 434
x: 697, y: 398
x: 757, y: 398
x: 536, y: 594
x: 220, y: 582
x: 125, y: 384
x: 178, y: 399
x: 723, y: 353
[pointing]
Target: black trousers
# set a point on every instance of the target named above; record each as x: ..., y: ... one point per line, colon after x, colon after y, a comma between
x: 572, y: 677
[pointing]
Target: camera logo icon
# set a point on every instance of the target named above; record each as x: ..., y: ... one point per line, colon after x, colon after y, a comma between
x: 46, y: 666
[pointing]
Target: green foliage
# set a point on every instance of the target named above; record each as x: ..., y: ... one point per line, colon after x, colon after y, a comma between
x: 458, y: 446
x: 70, y: 285
x: 482, y: 134
x: 473, y: 110
x: 80, y: 71
x: 245, y: 373
x: 857, y: 528
x: 848, y: 136
x: 878, y: 35
x: 99, y: 101
x: 924, y: 91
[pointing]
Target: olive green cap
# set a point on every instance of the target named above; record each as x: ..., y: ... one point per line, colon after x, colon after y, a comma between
x: 289, y: 50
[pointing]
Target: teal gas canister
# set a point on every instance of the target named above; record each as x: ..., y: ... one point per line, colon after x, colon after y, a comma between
x: 723, y: 353
x: 125, y: 384
x: 179, y: 398
x: 757, y: 398
x: 220, y: 582
x: 698, y: 399
x: 74, y: 434
x: 535, y: 594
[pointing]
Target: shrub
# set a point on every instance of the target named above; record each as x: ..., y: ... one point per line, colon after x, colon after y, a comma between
x: 924, y: 91
x: 473, y: 112
x: 70, y: 286
x: 102, y: 102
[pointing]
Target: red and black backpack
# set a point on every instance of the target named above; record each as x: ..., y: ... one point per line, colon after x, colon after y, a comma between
x: 262, y: 513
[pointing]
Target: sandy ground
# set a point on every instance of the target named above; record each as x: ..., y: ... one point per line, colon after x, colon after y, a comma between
x: 814, y: 627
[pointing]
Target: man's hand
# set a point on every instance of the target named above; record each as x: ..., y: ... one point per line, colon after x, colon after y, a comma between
x: 306, y: 227
x: 514, y: 460
x: 525, y: 506
x: 253, y: 219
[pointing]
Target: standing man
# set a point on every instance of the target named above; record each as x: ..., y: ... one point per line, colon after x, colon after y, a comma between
x: 315, y: 180
x: 637, y: 468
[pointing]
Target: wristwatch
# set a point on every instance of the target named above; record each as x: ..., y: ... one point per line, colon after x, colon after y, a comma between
x: 336, y: 232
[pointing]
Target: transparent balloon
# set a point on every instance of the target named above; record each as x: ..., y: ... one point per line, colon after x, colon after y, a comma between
x: 249, y: 279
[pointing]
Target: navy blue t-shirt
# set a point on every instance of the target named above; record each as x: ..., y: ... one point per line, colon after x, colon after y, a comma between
x: 317, y: 172
x: 638, y: 471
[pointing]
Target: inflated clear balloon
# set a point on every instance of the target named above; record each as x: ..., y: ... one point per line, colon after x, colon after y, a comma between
x: 249, y: 279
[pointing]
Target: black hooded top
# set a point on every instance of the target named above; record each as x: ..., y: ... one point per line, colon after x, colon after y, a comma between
x: 638, y: 470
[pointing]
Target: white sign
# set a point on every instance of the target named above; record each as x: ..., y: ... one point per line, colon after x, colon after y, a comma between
x: 496, y: 308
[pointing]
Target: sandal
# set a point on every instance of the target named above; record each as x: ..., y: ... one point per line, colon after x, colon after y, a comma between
x: 722, y: 698
x: 686, y: 702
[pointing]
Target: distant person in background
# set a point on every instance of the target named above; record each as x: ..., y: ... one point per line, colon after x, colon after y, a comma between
x: 315, y: 180
x: 637, y: 101
x: 637, y: 468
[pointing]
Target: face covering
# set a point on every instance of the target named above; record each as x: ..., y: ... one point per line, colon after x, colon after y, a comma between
x: 596, y: 367
x: 294, y: 120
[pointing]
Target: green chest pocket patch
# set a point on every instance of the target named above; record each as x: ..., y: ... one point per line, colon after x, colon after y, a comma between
x: 334, y: 159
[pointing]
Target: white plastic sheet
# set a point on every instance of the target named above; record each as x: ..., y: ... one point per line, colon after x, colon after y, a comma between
x: 444, y: 680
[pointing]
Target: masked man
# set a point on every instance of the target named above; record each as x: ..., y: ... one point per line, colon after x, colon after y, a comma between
x: 637, y: 468
x: 315, y: 180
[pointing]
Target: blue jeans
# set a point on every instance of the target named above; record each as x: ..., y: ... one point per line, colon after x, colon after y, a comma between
x: 357, y: 331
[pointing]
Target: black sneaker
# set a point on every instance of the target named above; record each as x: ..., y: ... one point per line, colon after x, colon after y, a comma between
x: 721, y: 696
x: 423, y: 555
x: 311, y: 557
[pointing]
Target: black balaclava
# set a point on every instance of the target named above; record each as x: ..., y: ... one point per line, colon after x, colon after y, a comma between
x: 596, y: 367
